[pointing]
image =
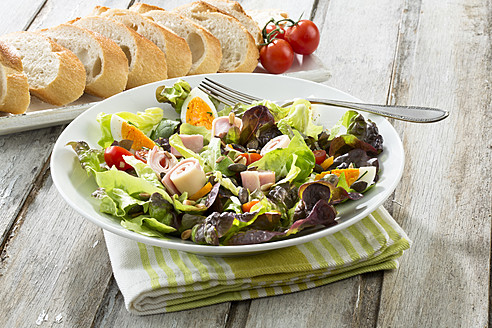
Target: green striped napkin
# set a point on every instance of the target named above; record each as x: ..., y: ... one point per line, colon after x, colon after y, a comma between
x: 156, y: 280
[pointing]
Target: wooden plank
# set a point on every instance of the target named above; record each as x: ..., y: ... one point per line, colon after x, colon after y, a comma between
x: 23, y: 158
x: 444, y: 62
x: 57, y: 264
x: 17, y: 15
x: 23, y: 155
x: 113, y: 314
x: 358, y: 45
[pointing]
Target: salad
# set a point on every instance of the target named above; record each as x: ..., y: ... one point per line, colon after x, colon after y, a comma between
x: 237, y: 175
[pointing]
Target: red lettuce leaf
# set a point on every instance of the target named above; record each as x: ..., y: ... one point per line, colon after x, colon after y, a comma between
x: 357, y: 157
x: 267, y: 221
x: 345, y: 143
x: 322, y: 214
x: 216, y: 225
x: 253, y: 119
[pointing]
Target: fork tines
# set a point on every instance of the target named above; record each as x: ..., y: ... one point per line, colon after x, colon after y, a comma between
x: 225, y: 94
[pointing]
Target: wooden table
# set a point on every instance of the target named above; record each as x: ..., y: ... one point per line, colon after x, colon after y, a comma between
x: 431, y: 53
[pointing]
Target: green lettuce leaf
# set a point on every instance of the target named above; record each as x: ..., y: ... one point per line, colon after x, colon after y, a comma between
x: 211, y: 154
x: 233, y: 205
x: 293, y: 172
x: 343, y: 122
x: 164, y: 129
x: 174, y: 95
x: 300, y: 117
x: 226, y: 182
x: 281, y: 160
x: 91, y: 160
x: 147, y: 226
x: 144, y: 171
x: 118, y: 202
x: 114, y: 178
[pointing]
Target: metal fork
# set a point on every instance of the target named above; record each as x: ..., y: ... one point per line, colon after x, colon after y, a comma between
x: 414, y: 114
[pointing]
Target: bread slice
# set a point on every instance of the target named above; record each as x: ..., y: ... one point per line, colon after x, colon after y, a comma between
x: 143, y: 8
x: 54, y: 73
x: 147, y: 63
x: 234, y: 9
x: 239, y: 51
x: 14, y: 88
x: 105, y: 64
x: 205, y: 48
x: 178, y: 53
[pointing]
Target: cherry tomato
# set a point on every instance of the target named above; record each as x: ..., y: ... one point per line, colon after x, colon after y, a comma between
x: 141, y: 154
x: 277, y: 56
x: 113, y: 156
x: 303, y: 37
x: 251, y: 157
x: 319, y: 156
x: 279, y: 34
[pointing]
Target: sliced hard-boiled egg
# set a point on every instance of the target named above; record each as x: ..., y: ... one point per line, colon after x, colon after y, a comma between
x: 367, y: 174
x: 116, y: 124
x: 121, y: 129
x: 198, y: 109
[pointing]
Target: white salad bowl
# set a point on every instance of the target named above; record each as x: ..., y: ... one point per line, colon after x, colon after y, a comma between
x: 76, y: 186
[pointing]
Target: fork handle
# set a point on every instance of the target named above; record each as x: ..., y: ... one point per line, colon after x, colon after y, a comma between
x: 405, y: 113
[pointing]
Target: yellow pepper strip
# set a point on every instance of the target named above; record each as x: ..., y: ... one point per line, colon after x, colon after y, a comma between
x: 202, y: 192
x: 327, y: 163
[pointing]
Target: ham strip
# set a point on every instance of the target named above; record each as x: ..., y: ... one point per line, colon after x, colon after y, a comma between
x: 161, y: 161
x: 253, y: 180
x: 221, y: 125
x: 250, y: 180
x: 193, y: 142
x: 266, y: 177
x: 276, y: 143
x: 186, y: 176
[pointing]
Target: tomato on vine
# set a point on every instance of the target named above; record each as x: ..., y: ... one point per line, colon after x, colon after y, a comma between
x: 303, y: 37
x: 277, y: 56
x: 279, y: 31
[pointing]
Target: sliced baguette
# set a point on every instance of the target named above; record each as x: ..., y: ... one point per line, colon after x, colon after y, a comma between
x: 234, y: 9
x: 239, y: 51
x: 147, y: 63
x: 105, y: 63
x: 14, y: 88
x: 205, y: 48
x: 54, y: 73
x: 178, y: 53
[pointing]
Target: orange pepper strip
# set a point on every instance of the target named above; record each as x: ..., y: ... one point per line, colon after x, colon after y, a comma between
x: 246, y: 207
x: 351, y: 175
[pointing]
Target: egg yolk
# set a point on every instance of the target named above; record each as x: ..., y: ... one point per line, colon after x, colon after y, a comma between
x: 138, y: 137
x: 199, y: 113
